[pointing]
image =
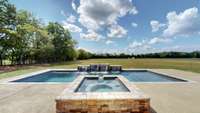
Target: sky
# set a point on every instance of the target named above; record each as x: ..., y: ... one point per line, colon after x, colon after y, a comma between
x: 124, y: 26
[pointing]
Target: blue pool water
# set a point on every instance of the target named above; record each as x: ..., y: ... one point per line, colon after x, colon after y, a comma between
x: 51, y: 76
x: 69, y: 76
x: 106, y: 84
x: 146, y: 76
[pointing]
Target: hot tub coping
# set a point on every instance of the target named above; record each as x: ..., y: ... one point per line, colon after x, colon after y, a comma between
x: 70, y: 94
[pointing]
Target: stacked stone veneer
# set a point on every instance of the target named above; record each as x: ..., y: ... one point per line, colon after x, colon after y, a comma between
x: 103, y: 106
x: 114, y: 102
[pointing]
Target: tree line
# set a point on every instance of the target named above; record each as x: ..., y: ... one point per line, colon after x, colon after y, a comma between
x: 195, y: 54
x: 24, y: 39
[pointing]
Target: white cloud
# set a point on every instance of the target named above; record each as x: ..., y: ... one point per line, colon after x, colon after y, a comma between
x: 73, y: 5
x: 182, y: 24
x: 95, y: 14
x: 180, y: 48
x: 134, y: 24
x: 86, y: 49
x: 71, y: 27
x: 116, y: 31
x: 138, y: 47
x: 71, y: 19
x: 146, y: 44
x: 69, y: 23
x: 156, y: 40
x: 91, y: 36
x: 150, y: 49
x: 155, y: 25
x: 109, y: 42
x: 185, y: 23
x: 136, y: 44
x: 110, y: 50
x: 133, y: 11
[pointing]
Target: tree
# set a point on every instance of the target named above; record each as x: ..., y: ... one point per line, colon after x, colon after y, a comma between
x: 7, y: 27
x: 62, y: 41
x: 82, y: 54
x: 24, y: 40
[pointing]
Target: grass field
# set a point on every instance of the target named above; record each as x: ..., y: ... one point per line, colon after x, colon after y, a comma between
x: 181, y: 64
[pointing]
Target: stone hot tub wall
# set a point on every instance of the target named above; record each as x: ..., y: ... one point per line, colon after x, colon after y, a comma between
x: 113, y: 102
x: 103, y: 106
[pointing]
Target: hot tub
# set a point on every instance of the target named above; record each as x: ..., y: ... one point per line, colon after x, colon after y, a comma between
x: 101, y: 84
x: 108, y: 94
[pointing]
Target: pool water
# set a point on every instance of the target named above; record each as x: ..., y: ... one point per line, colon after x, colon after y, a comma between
x: 142, y: 76
x: 51, y: 76
x: 69, y: 76
x: 106, y: 84
x: 147, y: 76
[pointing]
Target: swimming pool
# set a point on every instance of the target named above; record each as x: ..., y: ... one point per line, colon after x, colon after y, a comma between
x: 69, y: 76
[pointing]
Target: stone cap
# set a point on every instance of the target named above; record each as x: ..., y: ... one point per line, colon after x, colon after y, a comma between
x: 70, y: 94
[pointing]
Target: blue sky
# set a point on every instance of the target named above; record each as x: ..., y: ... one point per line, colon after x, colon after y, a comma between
x: 130, y: 26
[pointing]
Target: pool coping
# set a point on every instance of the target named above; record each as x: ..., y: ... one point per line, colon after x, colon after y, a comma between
x: 9, y: 79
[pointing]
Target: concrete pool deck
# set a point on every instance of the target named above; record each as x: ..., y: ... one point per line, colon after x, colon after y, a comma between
x: 165, y: 98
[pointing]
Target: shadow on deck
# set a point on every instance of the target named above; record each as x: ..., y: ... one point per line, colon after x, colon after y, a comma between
x: 152, y: 110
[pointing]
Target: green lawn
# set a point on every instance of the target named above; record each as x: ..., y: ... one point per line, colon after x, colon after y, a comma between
x: 182, y: 64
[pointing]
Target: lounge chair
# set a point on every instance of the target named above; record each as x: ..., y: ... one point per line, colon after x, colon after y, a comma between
x: 103, y: 67
x: 83, y: 68
x: 94, y: 67
x: 115, y: 68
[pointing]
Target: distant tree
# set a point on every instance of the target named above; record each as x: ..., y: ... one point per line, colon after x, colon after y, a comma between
x: 195, y: 54
x: 82, y: 54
